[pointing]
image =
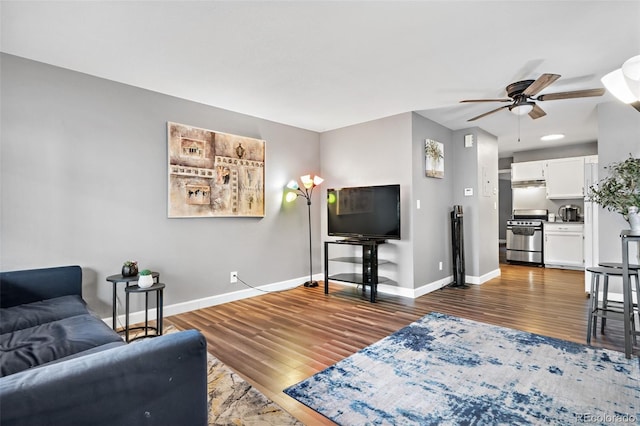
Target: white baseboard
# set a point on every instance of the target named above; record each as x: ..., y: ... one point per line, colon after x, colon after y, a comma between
x: 470, y: 279
x: 436, y: 285
x: 205, y: 302
x: 409, y: 292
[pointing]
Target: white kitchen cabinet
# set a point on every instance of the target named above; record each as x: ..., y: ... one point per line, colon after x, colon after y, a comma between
x: 527, y: 171
x: 564, y: 245
x: 565, y: 178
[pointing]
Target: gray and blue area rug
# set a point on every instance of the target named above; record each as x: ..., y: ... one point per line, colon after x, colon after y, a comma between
x: 448, y: 370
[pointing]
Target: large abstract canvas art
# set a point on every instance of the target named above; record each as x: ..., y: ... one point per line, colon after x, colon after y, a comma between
x: 214, y: 174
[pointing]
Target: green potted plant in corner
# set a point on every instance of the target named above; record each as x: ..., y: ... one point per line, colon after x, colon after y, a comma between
x: 145, y: 280
x: 620, y: 190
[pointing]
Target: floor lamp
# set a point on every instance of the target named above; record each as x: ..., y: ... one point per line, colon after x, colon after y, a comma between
x: 308, y: 183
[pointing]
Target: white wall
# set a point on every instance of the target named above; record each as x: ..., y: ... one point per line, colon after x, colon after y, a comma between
x: 84, y: 178
x: 618, y: 137
x: 536, y: 198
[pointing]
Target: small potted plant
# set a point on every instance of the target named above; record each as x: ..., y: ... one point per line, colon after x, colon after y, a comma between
x: 620, y: 190
x: 145, y: 280
x: 130, y: 268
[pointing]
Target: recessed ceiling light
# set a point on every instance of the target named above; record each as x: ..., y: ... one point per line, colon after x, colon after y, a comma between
x: 553, y: 137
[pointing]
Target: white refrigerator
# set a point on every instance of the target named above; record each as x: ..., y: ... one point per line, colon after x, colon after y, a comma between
x: 591, y: 209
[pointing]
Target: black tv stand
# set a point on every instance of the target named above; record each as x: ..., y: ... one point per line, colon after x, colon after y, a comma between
x: 368, y: 277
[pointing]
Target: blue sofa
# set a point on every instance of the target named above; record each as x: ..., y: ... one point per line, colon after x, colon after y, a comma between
x: 62, y: 365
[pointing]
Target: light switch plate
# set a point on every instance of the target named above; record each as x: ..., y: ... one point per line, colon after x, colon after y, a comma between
x: 468, y: 192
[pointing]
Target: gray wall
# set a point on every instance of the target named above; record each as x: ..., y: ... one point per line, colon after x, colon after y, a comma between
x: 487, y: 248
x: 477, y: 168
x: 84, y: 178
x: 375, y: 153
x: 505, y: 206
x: 431, y: 223
x: 505, y: 203
x: 84, y: 169
x: 369, y: 154
x: 577, y: 150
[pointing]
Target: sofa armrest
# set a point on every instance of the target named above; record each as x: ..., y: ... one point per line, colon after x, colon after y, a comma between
x: 159, y: 381
x: 33, y: 285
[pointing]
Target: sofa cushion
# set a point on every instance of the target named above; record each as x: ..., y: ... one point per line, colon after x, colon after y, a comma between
x: 30, y: 347
x: 84, y: 353
x: 36, y: 313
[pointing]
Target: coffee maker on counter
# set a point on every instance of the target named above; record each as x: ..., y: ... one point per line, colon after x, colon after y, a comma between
x: 569, y: 213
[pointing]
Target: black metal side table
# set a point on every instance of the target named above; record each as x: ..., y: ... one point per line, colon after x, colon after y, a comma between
x: 159, y: 289
x: 115, y: 279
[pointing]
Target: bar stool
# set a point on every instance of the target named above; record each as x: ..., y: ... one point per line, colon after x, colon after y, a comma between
x: 632, y: 268
x: 159, y: 289
x: 609, y: 309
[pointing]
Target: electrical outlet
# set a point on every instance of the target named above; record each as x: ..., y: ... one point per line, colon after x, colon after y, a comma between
x: 440, y: 265
x: 233, y: 277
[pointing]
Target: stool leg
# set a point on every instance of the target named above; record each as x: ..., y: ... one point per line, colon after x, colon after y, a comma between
x: 605, y: 299
x: 146, y: 313
x: 633, y: 320
x: 126, y: 316
x: 159, y: 310
x: 115, y: 307
x: 595, y: 305
x: 592, y: 308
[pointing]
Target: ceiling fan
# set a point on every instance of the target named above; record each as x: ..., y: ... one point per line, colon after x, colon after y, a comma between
x: 522, y: 95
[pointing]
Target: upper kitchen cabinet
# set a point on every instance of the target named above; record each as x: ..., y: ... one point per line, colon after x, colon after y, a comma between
x: 565, y: 178
x: 527, y: 172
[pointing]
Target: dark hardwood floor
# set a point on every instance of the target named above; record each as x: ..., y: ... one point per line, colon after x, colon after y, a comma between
x: 278, y: 339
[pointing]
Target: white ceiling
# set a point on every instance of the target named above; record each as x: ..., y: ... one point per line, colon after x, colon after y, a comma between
x: 326, y: 65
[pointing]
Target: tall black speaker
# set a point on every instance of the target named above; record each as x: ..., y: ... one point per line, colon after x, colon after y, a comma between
x: 457, y: 247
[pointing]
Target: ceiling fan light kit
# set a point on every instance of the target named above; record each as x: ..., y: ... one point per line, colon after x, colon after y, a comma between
x: 631, y: 72
x: 624, y: 82
x: 522, y: 96
x: 522, y: 108
x: 617, y: 86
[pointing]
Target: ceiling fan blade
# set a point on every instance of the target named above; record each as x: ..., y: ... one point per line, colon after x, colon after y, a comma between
x: 537, y: 112
x: 487, y: 113
x: 486, y: 100
x: 569, y: 95
x: 542, y: 82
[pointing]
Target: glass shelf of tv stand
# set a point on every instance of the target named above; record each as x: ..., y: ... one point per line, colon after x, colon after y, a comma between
x: 357, y: 259
x: 369, y: 278
x: 357, y: 278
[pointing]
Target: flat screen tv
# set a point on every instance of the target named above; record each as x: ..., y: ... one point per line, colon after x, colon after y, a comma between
x: 365, y: 212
